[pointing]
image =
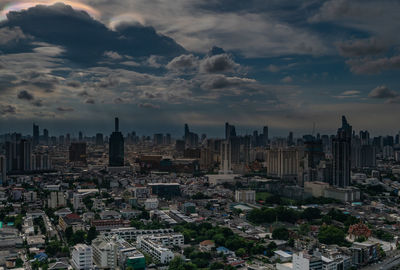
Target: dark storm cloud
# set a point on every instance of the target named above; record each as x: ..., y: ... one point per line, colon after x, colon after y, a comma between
x: 85, y: 39
x: 65, y: 109
x: 37, y: 103
x: 361, y: 47
x: 74, y: 84
x: 90, y: 101
x: 25, y: 95
x: 382, y: 92
x: 8, y: 109
x: 218, y: 63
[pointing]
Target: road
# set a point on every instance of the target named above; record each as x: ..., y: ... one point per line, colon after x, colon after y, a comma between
x: 386, y: 264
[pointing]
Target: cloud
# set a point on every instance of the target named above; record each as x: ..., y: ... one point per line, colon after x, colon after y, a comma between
x: 25, y: 95
x: 113, y: 55
x: 382, y: 92
x: 361, y: 47
x: 37, y: 103
x: 74, y: 84
x: 8, y: 109
x: 89, y: 40
x: 349, y: 94
x: 287, y: 79
x: 222, y: 82
x: 90, y: 101
x: 273, y: 68
x: 373, y: 66
x: 65, y: 109
x: 12, y: 35
x: 183, y: 62
x: 218, y: 64
x: 149, y: 106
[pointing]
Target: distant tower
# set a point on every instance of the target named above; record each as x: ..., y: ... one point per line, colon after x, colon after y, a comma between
x: 341, y: 149
x: 35, y: 135
x: 116, y: 147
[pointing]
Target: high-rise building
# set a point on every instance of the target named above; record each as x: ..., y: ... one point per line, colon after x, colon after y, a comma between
x: 99, y: 139
x: 158, y: 139
x: 80, y: 138
x: 265, y: 136
x: 230, y: 131
x: 3, y: 171
x: 77, y: 152
x: 35, y: 135
x: 116, y: 147
x: 25, y: 153
x: 290, y: 139
x: 45, y: 136
x: 341, y: 150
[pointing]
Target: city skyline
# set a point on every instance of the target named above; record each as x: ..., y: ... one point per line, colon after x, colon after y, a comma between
x: 286, y: 65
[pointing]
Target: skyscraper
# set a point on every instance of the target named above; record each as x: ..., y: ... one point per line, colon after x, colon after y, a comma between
x: 77, y: 152
x: 116, y: 147
x: 35, y: 135
x: 230, y: 131
x: 265, y: 136
x: 99, y: 139
x: 341, y: 150
x: 3, y: 170
x: 45, y: 136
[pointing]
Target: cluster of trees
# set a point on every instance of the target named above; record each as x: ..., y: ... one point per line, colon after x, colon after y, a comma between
x: 154, y: 225
x: 200, y: 196
x: 385, y: 236
x: 179, y: 264
x: 80, y: 236
x: 196, y: 233
x: 284, y: 214
x: 17, y: 220
x: 39, y: 223
x: 332, y: 235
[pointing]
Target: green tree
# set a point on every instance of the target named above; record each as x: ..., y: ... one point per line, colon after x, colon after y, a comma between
x: 280, y: 233
x: 240, y: 252
x: 91, y: 235
x: 331, y: 235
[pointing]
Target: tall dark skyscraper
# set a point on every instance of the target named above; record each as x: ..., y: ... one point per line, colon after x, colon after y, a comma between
x: 116, y: 147
x: 341, y: 150
x: 265, y: 136
x: 45, y: 136
x: 35, y: 135
x: 230, y: 131
x: 99, y: 139
x: 77, y: 152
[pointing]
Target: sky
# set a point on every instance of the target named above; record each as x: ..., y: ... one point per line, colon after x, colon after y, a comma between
x: 157, y: 64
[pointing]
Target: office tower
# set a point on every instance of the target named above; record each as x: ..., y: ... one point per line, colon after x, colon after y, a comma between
x: 24, y: 148
x: 290, y: 139
x: 388, y: 141
x: 116, y: 147
x: 230, y: 131
x: 45, y: 136
x: 356, y: 152
x: 341, y: 148
x: 314, y: 154
x: 226, y: 161
x: 167, y: 139
x: 191, y: 138
x: 61, y: 140
x: 80, y: 138
x: 397, y: 140
x: 265, y: 136
x: 99, y: 139
x: 35, y: 135
x: 368, y: 156
x: 68, y: 139
x: 364, y: 137
x: 77, y: 152
x: 180, y: 146
x: 158, y: 139
x: 3, y: 171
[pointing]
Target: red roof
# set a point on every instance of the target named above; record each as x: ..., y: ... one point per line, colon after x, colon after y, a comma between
x: 73, y: 216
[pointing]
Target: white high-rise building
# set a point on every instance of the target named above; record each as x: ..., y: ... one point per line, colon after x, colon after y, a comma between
x: 226, y: 158
x: 81, y: 258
